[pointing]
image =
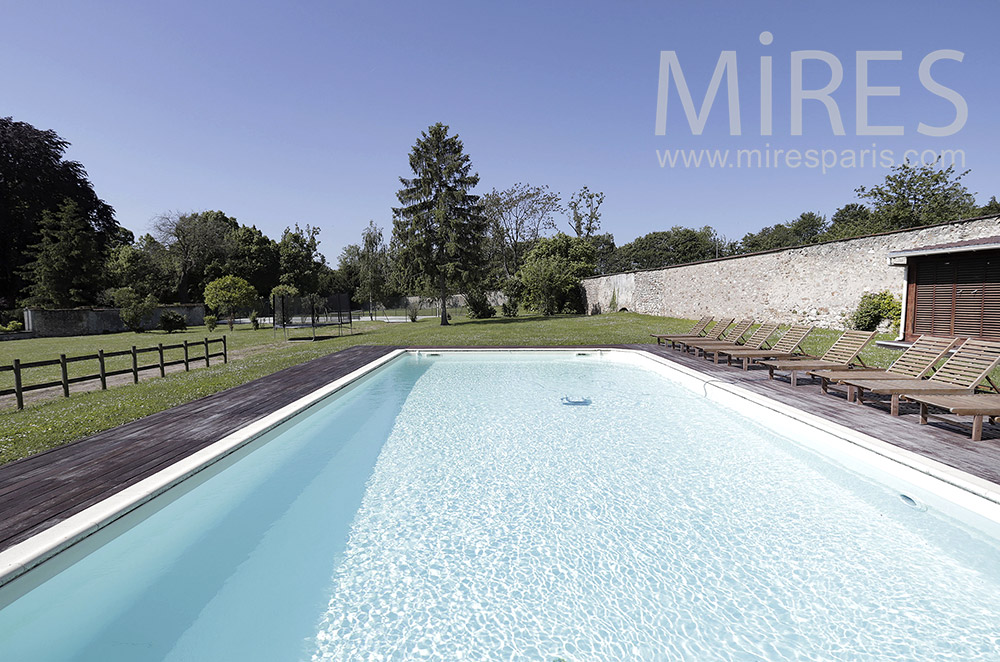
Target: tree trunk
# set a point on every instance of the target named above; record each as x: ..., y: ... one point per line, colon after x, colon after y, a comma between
x: 444, y: 302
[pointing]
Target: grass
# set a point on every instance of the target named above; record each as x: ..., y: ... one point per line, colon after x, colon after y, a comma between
x: 51, y: 423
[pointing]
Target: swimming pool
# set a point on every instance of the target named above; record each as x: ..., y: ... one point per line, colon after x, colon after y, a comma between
x: 524, y: 506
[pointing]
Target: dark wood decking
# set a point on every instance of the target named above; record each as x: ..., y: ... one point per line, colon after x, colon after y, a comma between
x: 40, y: 491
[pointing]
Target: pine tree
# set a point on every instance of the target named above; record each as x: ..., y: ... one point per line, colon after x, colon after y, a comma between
x: 440, y: 230
x: 66, y: 269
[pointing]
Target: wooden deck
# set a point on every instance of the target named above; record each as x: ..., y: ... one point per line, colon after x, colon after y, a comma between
x: 39, y: 491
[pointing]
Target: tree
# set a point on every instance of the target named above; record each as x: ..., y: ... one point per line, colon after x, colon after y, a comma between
x: 852, y: 220
x: 198, y: 245
x: 585, y: 212
x: 134, y: 309
x: 228, y: 295
x: 678, y: 245
x: 144, y: 266
x: 440, y: 229
x: 348, y: 277
x: 34, y: 178
x: 66, y: 262
x: 991, y: 208
x: 373, y: 267
x: 254, y: 257
x: 516, y: 217
x: 912, y: 196
x: 806, y: 229
x: 300, y: 259
x: 552, y: 272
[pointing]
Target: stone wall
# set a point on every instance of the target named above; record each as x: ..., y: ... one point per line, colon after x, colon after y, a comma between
x: 819, y: 284
x: 93, y: 321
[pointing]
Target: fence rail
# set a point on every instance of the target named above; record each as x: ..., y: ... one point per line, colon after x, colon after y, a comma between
x: 17, y: 367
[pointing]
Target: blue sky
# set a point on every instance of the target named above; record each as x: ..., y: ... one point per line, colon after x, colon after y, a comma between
x: 304, y: 112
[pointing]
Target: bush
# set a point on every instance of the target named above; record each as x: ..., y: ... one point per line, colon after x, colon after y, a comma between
x: 874, y: 308
x: 211, y: 321
x: 134, y: 310
x: 253, y: 320
x: 479, y: 306
x: 509, y: 308
x: 171, y: 321
x: 13, y: 327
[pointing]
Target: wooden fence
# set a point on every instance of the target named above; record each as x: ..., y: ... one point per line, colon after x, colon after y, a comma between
x: 20, y: 388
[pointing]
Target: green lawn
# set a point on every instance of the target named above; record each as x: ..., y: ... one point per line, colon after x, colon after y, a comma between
x: 53, y: 422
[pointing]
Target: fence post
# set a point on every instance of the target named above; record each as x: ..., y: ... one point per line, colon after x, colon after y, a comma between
x: 17, y: 384
x: 162, y: 371
x: 104, y: 374
x: 187, y: 366
x: 65, y: 375
x: 135, y: 366
x: 225, y: 349
x: 207, y: 362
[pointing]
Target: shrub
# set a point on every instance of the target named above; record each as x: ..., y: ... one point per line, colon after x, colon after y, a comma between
x: 479, y: 305
x: 509, y: 308
x: 13, y: 327
x: 229, y: 294
x: 134, y: 310
x: 211, y: 321
x: 171, y: 321
x: 874, y: 308
x: 253, y: 320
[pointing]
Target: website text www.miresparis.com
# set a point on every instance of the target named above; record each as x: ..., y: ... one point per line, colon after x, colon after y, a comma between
x: 829, y: 98
x: 823, y: 160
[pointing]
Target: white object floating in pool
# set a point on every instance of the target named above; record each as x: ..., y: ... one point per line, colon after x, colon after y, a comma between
x: 569, y: 400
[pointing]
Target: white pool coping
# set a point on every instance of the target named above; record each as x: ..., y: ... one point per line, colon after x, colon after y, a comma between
x: 951, y: 491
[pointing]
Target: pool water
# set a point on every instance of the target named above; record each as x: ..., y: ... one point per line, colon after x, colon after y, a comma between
x: 480, y: 508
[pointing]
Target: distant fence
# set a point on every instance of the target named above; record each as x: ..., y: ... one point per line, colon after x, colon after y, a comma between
x: 312, y: 312
x: 102, y: 374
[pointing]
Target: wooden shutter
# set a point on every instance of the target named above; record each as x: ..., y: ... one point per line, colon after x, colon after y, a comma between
x: 957, y: 294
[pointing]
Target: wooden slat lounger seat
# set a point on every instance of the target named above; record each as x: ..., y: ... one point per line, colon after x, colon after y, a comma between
x: 841, y: 356
x: 959, y: 375
x: 730, y: 338
x: 696, y: 331
x: 756, y: 340
x: 787, y: 346
x: 712, y: 334
x: 976, y: 405
x: 916, y: 362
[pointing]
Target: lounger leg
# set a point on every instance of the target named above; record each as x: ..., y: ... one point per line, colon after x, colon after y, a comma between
x: 923, y: 414
x: 894, y: 406
x: 977, y: 428
x: 859, y: 395
x: 793, y: 376
x: 770, y: 372
x: 823, y: 385
x: 851, y: 393
x: 716, y: 358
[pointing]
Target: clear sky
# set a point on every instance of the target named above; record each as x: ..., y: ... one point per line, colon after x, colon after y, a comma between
x: 304, y: 112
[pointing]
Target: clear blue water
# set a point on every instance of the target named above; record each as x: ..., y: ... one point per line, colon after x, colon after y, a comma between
x: 455, y: 508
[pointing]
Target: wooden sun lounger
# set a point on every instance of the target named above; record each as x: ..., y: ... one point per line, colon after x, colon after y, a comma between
x: 696, y: 331
x: 977, y: 405
x: 916, y: 362
x: 841, y: 356
x: 787, y: 346
x: 714, y: 334
x: 968, y: 367
x: 730, y: 338
x: 756, y: 341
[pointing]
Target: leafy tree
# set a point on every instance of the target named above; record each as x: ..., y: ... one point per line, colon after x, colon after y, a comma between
x: 301, y: 261
x: 440, y: 230
x: 144, y: 266
x: 198, y: 245
x: 228, y: 295
x: 348, y: 277
x: 808, y: 228
x: 66, y: 261
x: 852, y: 220
x: 254, y: 257
x: 678, y: 245
x: 604, y: 250
x: 516, y: 217
x: 552, y: 271
x: 991, y: 208
x: 134, y: 309
x: 585, y: 212
x: 373, y: 267
x: 912, y: 196
x: 34, y: 178
x: 279, y: 295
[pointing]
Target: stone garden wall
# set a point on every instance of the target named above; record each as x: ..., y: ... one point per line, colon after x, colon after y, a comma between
x: 92, y: 321
x: 819, y: 284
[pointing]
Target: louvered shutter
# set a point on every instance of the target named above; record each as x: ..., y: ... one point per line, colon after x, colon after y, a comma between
x: 956, y: 295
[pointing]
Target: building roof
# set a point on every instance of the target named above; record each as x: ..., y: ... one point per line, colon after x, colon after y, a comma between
x: 967, y: 245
